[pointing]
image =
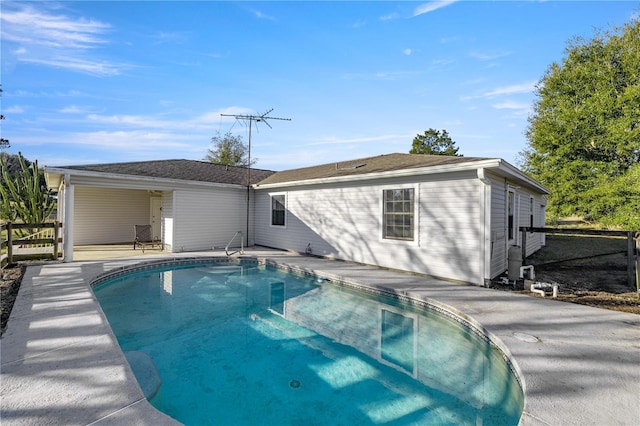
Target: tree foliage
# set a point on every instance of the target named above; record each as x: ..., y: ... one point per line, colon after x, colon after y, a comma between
x: 229, y: 150
x: 23, y: 193
x: 584, y: 132
x: 434, y: 142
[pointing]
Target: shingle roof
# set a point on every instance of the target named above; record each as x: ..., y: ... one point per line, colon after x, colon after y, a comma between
x: 200, y: 171
x: 381, y: 163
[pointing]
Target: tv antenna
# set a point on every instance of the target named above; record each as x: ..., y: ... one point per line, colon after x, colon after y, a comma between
x: 263, y: 118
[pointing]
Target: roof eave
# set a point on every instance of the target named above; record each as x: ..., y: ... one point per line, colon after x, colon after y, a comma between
x: 445, y: 168
x: 145, y: 179
x: 516, y: 174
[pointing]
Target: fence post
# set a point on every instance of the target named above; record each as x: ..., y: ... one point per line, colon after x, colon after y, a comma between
x: 10, y: 243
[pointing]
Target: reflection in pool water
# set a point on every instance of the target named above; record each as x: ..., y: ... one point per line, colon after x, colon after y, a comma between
x: 245, y: 344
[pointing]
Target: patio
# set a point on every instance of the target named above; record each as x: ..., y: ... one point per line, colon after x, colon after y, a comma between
x: 62, y: 365
x: 109, y: 251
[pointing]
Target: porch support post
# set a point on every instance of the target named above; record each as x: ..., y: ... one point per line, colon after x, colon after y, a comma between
x: 67, y: 228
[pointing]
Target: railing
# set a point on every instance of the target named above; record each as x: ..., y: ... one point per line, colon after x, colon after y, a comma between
x: 226, y: 249
x: 41, y: 244
x: 35, y: 240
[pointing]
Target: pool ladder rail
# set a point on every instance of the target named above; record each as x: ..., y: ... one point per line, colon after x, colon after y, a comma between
x: 241, y: 251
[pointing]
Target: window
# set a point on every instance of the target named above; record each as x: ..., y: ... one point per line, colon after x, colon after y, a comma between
x: 277, y: 210
x: 276, y: 297
x: 398, y: 206
x: 397, y: 340
x: 511, y: 207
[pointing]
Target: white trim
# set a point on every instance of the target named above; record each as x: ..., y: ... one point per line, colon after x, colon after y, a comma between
x: 286, y: 210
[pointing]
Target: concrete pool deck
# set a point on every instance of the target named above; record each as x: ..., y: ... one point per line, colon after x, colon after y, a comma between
x: 61, y: 364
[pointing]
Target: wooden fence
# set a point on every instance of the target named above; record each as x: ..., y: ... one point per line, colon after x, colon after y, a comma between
x: 41, y: 242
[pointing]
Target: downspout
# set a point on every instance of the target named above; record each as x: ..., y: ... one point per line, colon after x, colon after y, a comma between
x: 486, y: 251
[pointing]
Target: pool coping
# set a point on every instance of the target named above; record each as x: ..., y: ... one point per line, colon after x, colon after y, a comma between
x: 61, y: 362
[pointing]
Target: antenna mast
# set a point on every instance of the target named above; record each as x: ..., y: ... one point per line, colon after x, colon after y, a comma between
x: 263, y: 118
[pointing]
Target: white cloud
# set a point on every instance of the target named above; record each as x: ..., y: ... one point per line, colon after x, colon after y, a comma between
x: 511, y: 105
x: 362, y: 139
x: 527, y: 87
x: 389, y: 17
x: 261, y: 15
x: 488, y: 56
x: 45, y: 37
x: 175, y: 37
x: 141, y: 140
x: 431, y: 6
x: 85, y: 66
x: 26, y: 25
x: 380, y: 75
x: 204, y: 122
x: 72, y: 109
x: 16, y: 109
x: 514, y: 89
x: 442, y: 61
x: 407, y: 52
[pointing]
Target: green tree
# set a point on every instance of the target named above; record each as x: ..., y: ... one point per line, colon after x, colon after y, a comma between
x: 434, y: 142
x: 229, y: 150
x: 584, y: 132
x: 23, y: 193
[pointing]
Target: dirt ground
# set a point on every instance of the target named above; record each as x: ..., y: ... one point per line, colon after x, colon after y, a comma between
x: 9, y: 285
x: 588, y: 270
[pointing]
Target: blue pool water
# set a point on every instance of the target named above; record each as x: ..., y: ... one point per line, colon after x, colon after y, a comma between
x: 247, y: 344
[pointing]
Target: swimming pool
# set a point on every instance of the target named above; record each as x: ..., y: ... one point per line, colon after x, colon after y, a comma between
x: 244, y: 343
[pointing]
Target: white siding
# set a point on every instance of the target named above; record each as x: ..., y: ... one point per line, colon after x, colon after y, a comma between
x: 499, y: 224
x: 207, y: 218
x: 107, y: 215
x: 345, y: 222
x: 534, y: 240
x: 499, y: 230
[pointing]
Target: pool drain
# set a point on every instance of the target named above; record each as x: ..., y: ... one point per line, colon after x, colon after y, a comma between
x: 294, y: 384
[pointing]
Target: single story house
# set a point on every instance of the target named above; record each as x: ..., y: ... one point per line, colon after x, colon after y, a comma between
x: 449, y: 217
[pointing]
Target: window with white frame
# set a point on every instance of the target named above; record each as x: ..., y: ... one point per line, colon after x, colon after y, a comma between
x: 398, y: 214
x: 278, y: 210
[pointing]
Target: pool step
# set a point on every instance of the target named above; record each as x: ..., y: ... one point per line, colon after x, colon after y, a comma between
x: 145, y: 371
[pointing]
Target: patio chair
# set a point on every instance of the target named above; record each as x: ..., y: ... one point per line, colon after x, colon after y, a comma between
x: 143, y: 237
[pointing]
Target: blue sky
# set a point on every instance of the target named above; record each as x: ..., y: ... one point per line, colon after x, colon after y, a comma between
x: 96, y: 82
